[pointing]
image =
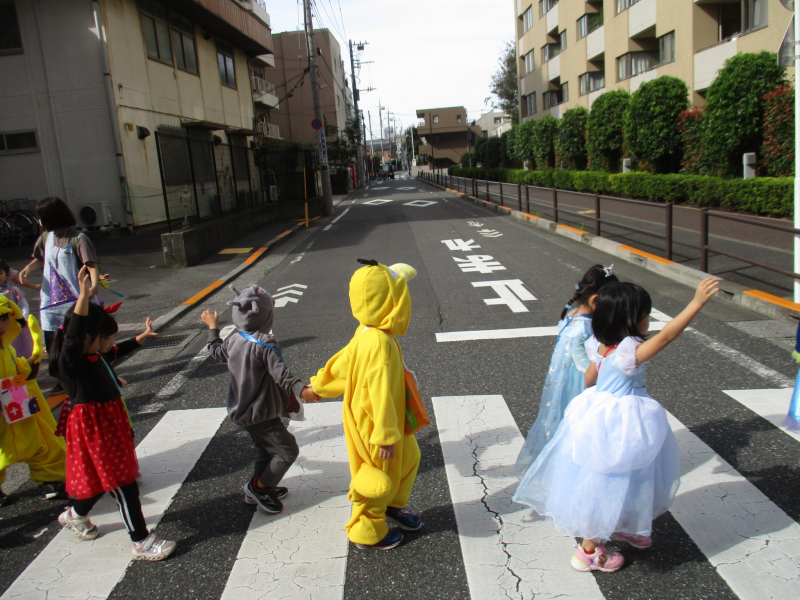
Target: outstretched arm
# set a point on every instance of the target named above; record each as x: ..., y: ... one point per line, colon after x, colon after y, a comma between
x: 705, y: 291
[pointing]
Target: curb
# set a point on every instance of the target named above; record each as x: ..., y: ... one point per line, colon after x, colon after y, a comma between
x: 177, y: 312
x: 755, y: 300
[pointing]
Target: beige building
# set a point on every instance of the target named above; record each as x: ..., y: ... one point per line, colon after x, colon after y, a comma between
x: 494, y: 123
x: 297, y: 110
x: 445, y: 135
x: 85, y: 85
x: 572, y: 51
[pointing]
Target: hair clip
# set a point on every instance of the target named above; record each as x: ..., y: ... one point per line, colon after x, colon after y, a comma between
x: 61, y: 327
x: 577, y: 287
x: 609, y: 270
x: 567, y: 306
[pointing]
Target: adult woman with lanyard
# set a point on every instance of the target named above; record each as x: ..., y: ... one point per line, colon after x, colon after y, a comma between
x: 60, y: 251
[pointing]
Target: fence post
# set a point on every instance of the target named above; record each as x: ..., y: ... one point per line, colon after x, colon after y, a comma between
x: 501, y: 192
x: 194, y: 181
x: 474, y: 188
x: 487, y: 189
x: 597, y: 214
x: 163, y: 185
x: 527, y: 199
x: 668, y: 231
x: 233, y: 176
x: 249, y: 176
x: 218, y: 202
x: 704, y: 240
x: 555, y: 205
x: 519, y: 196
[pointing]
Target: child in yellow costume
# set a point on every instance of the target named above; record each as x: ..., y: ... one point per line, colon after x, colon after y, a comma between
x: 369, y: 372
x: 27, y: 427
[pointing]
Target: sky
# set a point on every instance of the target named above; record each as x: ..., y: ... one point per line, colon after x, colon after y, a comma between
x: 426, y: 53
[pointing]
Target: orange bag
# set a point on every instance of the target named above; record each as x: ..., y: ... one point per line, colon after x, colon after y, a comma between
x: 416, y: 415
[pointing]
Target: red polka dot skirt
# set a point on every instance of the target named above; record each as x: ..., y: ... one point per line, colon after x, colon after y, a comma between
x: 101, y: 455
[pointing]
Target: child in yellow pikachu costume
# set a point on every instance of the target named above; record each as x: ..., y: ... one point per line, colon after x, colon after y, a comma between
x: 369, y: 372
x: 27, y: 427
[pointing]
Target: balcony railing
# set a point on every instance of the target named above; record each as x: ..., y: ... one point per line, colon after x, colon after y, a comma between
x: 268, y: 130
x: 261, y: 86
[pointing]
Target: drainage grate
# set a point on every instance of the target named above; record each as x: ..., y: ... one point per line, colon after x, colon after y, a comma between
x: 166, y: 341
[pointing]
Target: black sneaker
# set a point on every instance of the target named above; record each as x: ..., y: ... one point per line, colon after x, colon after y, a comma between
x: 266, y: 501
x: 54, y: 490
x: 404, y: 518
x: 278, y: 492
x: 4, y: 498
x: 390, y: 540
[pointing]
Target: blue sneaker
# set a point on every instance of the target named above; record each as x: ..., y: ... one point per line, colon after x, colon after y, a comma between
x: 404, y: 518
x: 390, y: 540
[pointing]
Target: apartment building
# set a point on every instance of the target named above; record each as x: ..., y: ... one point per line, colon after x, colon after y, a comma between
x: 494, y: 123
x: 446, y: 135
x: 297, y: 109
x: 572, y: 51
x: 87, y: 84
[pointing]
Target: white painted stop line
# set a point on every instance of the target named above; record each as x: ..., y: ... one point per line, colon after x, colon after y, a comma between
x: 772, y: 405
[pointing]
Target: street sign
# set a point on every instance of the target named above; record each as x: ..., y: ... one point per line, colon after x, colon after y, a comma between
x: 787, y: 49
x: 323, y: 149
x: 316, y: 124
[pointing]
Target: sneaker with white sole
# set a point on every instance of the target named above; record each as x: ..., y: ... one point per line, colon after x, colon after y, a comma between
x: 389, y: 541
x: 404, y: 519
x: 640, y: 542
x: 278, y: 492
x: 152, y: 548
x: 266, y: 501
x: 80, y: 526
x: 599, y: 560
x: 54, y: 490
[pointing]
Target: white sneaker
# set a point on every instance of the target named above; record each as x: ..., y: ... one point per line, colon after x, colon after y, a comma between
x: 80, y: 526
x: 152, y: 548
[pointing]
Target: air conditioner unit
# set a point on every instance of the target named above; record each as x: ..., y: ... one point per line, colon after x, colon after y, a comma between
x: 274, y: 192
x: 95, y: 214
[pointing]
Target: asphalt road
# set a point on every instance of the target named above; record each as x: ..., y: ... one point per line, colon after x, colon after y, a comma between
x: 730, y: 349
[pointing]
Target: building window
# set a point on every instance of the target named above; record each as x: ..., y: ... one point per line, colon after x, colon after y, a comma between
x: 183, y: 42
x: 588, y: 23
x: 527, y: 19
x: 625, y: 4
x: 529, y: 65
x: 545, y: 6
x: 530, y: 104
x: 754, y: 14
x: 458, y: 119
x: 555, y: 97
x: 155, y: 25
x: 550, y: 51
x: 227, y: 73
x: 666, y: 48
x: 435, y: 118
x: 591, y: 82
x: 17, y: 142
x: 10, y: 37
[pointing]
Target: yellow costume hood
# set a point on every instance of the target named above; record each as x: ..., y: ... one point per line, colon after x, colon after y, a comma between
x: 8, y: 307
x: 379, y: 296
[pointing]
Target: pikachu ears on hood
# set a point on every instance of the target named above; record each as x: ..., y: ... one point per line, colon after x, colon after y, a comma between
x: 407, y: 272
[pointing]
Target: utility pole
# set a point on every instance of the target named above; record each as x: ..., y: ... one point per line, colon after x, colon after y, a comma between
x: 359, y: 162
x: 413, y: 155
x: 380, y: 119
x: 327, y: 195
x: 364, y: 153
x: 371, y: 144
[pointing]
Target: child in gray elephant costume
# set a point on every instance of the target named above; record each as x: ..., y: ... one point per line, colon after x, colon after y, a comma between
x: 262, y: 390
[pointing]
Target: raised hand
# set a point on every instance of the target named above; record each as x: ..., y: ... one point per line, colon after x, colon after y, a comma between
x: 706, y: 290
x: 210, y: 318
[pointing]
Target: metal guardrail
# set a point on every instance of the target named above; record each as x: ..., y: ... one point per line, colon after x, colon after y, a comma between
x: 261, y: 86
x: 460, y: 184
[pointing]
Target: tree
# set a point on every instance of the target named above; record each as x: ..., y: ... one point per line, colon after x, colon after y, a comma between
x: 504, y: 81
x: 543, y: 142
x: 480, y: 150
x: 604, y: 131
x: 777, y: 153
x: 651, y: 124
x: 417, y: 141
x: 493, y: 152
x: 571, y: 140
x: 342, y: 145
x: 734, y: 112
x: 524, y: 142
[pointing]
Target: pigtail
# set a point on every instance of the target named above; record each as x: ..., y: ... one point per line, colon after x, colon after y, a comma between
x: 590, y: 284
x: 57, y: 345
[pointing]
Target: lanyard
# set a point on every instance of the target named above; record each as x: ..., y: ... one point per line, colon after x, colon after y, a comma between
x: 250, y: 338
x: 608, y: 350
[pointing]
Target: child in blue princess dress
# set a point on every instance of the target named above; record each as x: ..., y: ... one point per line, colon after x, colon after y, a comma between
x: 613, y: 465
x: 569, y: 363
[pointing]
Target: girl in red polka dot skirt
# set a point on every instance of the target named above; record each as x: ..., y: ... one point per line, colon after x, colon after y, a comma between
x: 101, y: 456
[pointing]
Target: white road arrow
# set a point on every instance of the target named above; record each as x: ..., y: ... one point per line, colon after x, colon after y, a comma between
x: 283, y: 297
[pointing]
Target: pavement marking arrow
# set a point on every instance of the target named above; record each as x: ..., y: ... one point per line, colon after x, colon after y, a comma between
x: 300, y: 285
x: 281, y: 302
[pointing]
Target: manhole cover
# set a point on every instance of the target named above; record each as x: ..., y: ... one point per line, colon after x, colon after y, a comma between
x: 166, y: 341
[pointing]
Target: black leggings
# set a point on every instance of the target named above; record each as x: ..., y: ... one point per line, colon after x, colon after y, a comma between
x: 130, y: 509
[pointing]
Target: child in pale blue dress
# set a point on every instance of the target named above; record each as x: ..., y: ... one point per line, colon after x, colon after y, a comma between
x: 565, y: 379
x: 613, y: 465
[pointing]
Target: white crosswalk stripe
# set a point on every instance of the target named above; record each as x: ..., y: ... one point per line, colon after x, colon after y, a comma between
x: 72, y: 569
x: 301, y: 554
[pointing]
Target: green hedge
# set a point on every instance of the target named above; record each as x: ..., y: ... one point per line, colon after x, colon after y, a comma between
x: 763, y: 195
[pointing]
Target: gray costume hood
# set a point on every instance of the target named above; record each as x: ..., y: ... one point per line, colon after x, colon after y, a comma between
x: 252, y: 310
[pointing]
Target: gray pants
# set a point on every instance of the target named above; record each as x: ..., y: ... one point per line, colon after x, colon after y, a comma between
x: 276, y: 450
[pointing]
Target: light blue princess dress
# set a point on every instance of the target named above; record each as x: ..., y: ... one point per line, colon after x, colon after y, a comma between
x: 613, y: 465
x: 564, y: 381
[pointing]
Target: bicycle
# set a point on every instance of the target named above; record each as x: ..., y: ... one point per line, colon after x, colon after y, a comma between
x: 17, y: 222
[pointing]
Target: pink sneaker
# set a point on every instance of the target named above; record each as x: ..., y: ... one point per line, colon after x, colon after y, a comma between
x: 600, y: 560
x: 640, y: 542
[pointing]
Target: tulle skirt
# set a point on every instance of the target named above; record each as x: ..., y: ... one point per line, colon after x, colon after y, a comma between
x: 612, y: 466
x: 792, y: 421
